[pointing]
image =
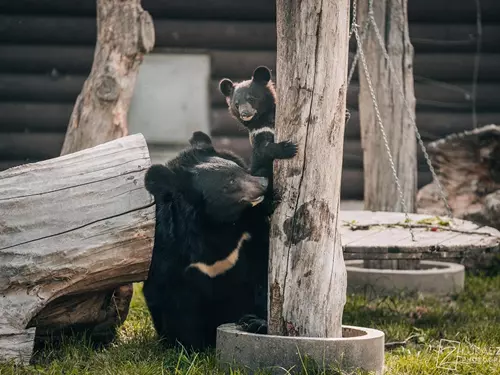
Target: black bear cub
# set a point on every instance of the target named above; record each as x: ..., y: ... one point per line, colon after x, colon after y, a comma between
x: 253, y: 104
x: 211, y: 243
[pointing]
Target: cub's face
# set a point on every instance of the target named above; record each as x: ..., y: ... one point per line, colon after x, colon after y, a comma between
x: 251, y: 99
x: 216, y: 183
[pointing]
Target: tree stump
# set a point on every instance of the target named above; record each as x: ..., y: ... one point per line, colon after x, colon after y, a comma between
x: 468, y: 167
x: 125, y: 33
x: 307, y: 276
x: 78, y: 224
x: 380, y: 189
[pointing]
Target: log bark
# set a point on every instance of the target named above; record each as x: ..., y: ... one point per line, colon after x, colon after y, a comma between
x: 77, y: 224
x: 125, y: 33
x: 468, y: 168
x: 41, y: 59
x: 307, y: 276
x: 381, y: 193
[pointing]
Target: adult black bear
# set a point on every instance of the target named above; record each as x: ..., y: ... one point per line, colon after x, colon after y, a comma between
x: 211, y: 244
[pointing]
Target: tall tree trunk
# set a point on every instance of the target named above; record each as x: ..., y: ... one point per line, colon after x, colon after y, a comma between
x: 307, y: 277
x: 380, y: 190
x: 125, y: 33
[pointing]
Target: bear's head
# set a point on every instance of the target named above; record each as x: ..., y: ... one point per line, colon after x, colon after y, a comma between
x: 215, y: 183
x: 251, y: 100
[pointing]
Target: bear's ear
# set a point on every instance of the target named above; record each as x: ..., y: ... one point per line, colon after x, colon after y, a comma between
x: 226, y: 86
x: 201, y: 140
x: 262, y: 75
x: 159, y: 180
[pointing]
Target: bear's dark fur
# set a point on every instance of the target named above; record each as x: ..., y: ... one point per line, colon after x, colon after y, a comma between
x: 207, y: 204
x: 253, y: 104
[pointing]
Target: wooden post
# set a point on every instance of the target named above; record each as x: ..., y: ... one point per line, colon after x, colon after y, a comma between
x: 74, y: 225
x: 380, y: 190
x: 125, y: 33
x: 307, y: 277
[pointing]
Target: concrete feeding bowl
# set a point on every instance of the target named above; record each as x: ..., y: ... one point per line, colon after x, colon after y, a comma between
x: 359, y: 348
x: 433, y: 278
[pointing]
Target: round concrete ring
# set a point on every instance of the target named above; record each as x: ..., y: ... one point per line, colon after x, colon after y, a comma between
x: 436, y: 278
x: 359, y: 348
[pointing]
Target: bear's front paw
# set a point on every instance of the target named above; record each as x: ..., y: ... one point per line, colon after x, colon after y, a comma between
x: 252, y: 324
x: 287, y: 150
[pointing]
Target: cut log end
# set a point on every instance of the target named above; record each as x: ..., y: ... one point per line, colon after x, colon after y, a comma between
x: 468, y: 170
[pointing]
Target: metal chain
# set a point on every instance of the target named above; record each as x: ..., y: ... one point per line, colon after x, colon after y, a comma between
x: 384, y: 136
x: 371, y: 18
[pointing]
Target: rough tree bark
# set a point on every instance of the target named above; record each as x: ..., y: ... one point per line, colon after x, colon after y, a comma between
x: 468, y: 167
x: 307, y: 277
x: 125, y: 33
x: 380, y: 190
x: 77, y: 224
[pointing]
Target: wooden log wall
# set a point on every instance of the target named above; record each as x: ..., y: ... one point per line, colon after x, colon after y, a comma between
x: 47, y: 46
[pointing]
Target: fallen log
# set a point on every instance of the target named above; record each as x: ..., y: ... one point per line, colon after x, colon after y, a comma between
x: 468, y: 167
x: 73, y: 225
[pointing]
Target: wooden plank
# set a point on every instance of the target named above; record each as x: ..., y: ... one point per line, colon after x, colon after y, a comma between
x: 231, y: 35
x: 34, y: 116
x: 78, y: 60
x: 432, y: 125
x: 40, y: 116
x: 450, y: 66
x: 40, y: 88
x: 396, y: 242
x: 30, y: 145
x: 453, y: 96
x: 422, y: 10
x: 53, y: 252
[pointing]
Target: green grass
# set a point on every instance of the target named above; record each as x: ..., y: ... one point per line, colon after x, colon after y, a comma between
x: 453, y: 336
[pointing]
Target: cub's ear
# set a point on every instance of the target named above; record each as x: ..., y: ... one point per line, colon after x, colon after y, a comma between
x: 262, y: 75
x: 201, y: 140
x: 159, y: 180
x: 226, y: 86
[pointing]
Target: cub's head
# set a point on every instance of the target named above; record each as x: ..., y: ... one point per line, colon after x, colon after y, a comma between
x: 250, y: 100
x: 215, y: 183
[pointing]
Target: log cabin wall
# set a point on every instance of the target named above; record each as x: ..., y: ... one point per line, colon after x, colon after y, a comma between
x: 46, y: 51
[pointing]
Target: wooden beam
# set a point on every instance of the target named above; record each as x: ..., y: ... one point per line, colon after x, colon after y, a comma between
x: 48, y: 117
x: 262, y: 10
x: 78, y: 60
x: 230, y: 35
x: 453, y: 96
x: 430, y: 95
x: 431, y: 125
x: 40, y: 87
x: 50, y: 250
x: 449, y: 66
x: 44, y: 117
